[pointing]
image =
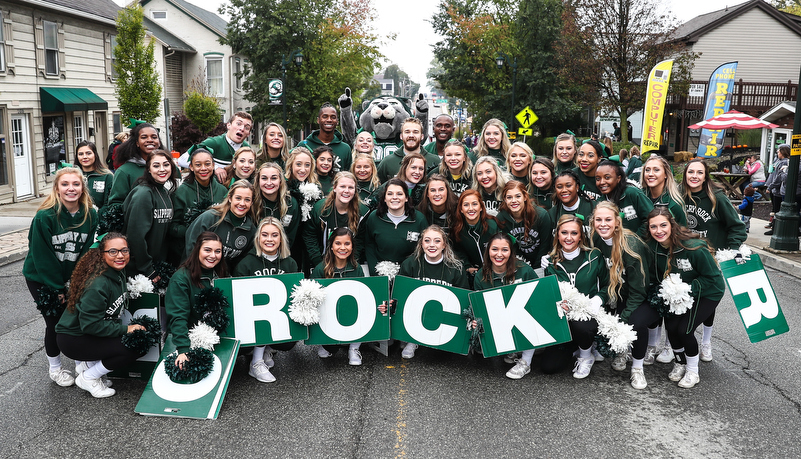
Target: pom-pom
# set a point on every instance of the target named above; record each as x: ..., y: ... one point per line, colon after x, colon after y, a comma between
x: 307, y: 297
x: 676, y: 294
x: 199, y: 364
x: 138, y: 285
x: 387, y: 268
x: 203, y: 336
x: 746, y: 251
x: 49, y: 303
x: 194, y: 212
x: 212, y: 305
x: 602, y: 346
x: 142, y: 340
x: 111, y: 219
x: 475, y: 342
x: 310, y: 192
x: 657, y: 302
x: 619, y: 335
x: 722, y: 255
x: 164, y: 272
x: 305, y: 211
x: 579, y: 305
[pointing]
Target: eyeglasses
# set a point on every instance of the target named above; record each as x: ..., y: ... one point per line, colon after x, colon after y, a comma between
x: 115, y: 252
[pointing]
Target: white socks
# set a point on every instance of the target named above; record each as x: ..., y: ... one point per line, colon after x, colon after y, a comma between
x: 585, y: 353
x: 96, y: 371
x: 258, y: 354
x: 355, y: 346
x: 692, y: 363
x: 653, y: 336
x: 527, y: 356
x: 636, y: 363
x: 55, y: 362
x: 707, y: 337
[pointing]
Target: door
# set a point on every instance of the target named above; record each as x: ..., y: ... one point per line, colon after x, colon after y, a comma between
x: 101, y: 134
x: 21, y: 146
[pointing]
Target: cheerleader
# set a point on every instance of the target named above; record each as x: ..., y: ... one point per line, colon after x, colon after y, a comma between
x: 658, y: 184
x: 61, y: 232
x: 471, y: 230
x: 569, y: 199
x: 493, y: 141
x: 413, y: 173
x: 589, y: 156
x: 273, y: 199
x: 489, y: 179
x: 678, y: 250
x: 324, y: 167
x: 301, y: 170
x: 129, y: 163
x: 90, y: 329
x: 611, y: 181
x: 363, y: 168
x: 98, y: 178
x: 456, y: 167
x: 541, y: 183
x: 274, y: 147
x: 628, y: 259
x: 530, y: 226
x: 564, y: 153
x: 242, y: 166
x: 519, y: 161
x: 364, y: 144
x: 439, y: 202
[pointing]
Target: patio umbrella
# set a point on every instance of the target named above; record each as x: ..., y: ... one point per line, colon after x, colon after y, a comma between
x: 733, y: 119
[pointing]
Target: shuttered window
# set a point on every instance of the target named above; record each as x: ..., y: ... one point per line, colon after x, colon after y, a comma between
x: 49, y: 37
x: 6, y: 44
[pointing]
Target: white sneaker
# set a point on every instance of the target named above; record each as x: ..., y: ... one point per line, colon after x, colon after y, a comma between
x: 83, y: 366
x: 666, y: 356
x: 261, y: 372
x: 511, y: 358
x: 354, y: 357
x: 268, y: 359
x: 408, y: 350
x: 619, y: 362
x: 677, y: 372
x: 94, y: 387
x: 638, y: 379
x: 323, y: 353
x: 583, y: 367
x: 650, y: 355
x: 597, y: 355
x: 62, y: 377
x: 519, y: 370
x: 689, y: 380
x: 706, y: 352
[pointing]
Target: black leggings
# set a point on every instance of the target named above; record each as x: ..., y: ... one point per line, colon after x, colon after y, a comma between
x: 51, y: 347
x: 643, y: 318
x: 681, y: 329
x: 558, y: 358
x: 108, y: 350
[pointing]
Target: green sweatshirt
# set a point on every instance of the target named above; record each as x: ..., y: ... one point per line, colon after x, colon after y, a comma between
x: 237, y: 235
x: 438, y: 273
x: 98, y: 311
x: 179, y: 303
x: 326, y: 183
x: 434, y: 218
x: 722, y: 228
x: 367, y: 193
x: 187, y: 197
x: 99, y: 186
x: 148, y: 214
x: 125, y: 178
x: 634, y: 290
x: 389, y: 166
x: 587, y: 272
x: 385, y: 241
x: 290, y: 220
x: 348, y: 271
x: 255, y: 265
x: 530, y: 246
x: 694, y: 264
x: 55, y: 243
x: 222, y: 151
x: 459, y: 185
x: 472, y: 242
x: 635, y: 207
x: 524, y: 180
x: 675, y: 208
x: 491, y: 202
x: 343, y: 153
x: 523, y: 273
x: 431, y: 147
x: 584, y: 209
x: 561, y: 167
x: 321, y: 225
x: 544, y: 198
x: 587, y: 184
x: 634, y: 169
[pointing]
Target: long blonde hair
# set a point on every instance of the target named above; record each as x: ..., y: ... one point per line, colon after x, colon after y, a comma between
x: 283, y: 247
x: 53, y: 200
x: 293, y: 155
x: 482, y: 149
x: 467, y: 165
x: 556, y: 251
x: 620, y: 244
x: 365, y: 157
x: 283, y: 193
x: 448, y: 256
x: 264, y: 155
x: 353, y: 205
x: 500, y: 177
x: 670, y: 184
x: 225, y: 207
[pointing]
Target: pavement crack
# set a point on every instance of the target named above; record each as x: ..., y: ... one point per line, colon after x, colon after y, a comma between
x: 361, y: 422
x: 24, y: 361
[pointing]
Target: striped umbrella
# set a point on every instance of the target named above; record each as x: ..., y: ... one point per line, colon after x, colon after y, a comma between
x: 733, y: 119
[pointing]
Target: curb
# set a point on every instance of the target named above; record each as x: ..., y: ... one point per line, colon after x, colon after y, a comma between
x: 13, y: 256
x: 771, y: 260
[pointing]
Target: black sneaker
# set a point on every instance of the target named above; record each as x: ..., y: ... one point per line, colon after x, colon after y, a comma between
x: 769, y: 233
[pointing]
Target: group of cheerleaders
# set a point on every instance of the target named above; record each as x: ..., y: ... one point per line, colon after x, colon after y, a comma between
x: 480, y: 219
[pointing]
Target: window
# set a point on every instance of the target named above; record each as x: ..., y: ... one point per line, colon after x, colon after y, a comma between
x: 77, y: 128
x: 159, y: 15
x: 3, y: 153
x: 113, y: 57
x: 2, y: 45
x: 238, y: 73
x: 115, y: 119
x: 214, y: 75
x: 51, y: 47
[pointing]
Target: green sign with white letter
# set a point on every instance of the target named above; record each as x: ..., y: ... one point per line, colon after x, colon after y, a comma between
x: 349, y: 313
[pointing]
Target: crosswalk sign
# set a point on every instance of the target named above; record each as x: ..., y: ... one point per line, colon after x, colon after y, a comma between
x: 526, y: 117
x: 523, y: 131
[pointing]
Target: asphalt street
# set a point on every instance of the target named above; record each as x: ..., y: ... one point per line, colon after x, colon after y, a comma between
x: 748, y: 404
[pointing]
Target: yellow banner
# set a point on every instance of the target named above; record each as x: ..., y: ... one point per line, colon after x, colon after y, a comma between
x: 655, y: 100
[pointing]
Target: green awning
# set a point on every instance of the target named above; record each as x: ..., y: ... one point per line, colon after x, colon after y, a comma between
x: 70, y: 100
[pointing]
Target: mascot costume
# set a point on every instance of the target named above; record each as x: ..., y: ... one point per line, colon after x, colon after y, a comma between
x: 383, y: 117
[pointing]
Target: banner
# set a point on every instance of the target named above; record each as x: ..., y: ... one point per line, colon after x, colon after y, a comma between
x: 430, y: 315
x: 520, y: 316
x: 259, y: 310
x: 655, y: 100
x: 349, y: 313
x: 718, y: 100
x: 146, y: 305
x: 754, y: 298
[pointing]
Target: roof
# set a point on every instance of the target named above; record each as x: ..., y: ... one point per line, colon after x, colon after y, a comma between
x: 207, y: 18
x: 698, y: 26
x: 779, y: 111
x: 100, y: 9
x: 170, y: 40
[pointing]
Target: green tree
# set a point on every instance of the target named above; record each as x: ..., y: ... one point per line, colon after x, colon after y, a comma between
x: 202, y: 109
x: 404, y: 86
x: 788, y: 6
x: 137, y: 83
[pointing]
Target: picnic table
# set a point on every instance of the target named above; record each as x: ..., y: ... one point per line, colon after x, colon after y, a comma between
x: 731, y: 182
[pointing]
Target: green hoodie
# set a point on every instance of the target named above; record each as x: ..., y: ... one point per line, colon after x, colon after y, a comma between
x: 179, y: 303
x: 587, y: 272
x: 125, y: 178
x: 675, y: 208
x: 98, y: 311
x: 385, y: 241
x: 221, y: 149
x: 187, y: 198
x: 148, y: 214
x: 437, y: 273
x: 694, y: 264
x: 587, y: 184
x: 99, y: 184
x: 635, y: 207
x: 459, y: 185
x: 584, y: 209
x: 321, y: 225
x: 55, y: 243
x: 260, y: 265
x: 237, y: 235
x: 390, y: 166
x: 348, y: 271
x: 523, y: 273
x: 342, y: 151
x: 543, y: 198
x: 535, y: 244
x: 634, y: 169
x: 290, y: 220
x: 472, y: 242
x: 722, y: 228
x: 634, y: 290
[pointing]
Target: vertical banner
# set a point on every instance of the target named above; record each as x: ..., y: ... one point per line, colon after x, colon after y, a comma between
x: 655, y: 100
x: 520, y: 316
x: 259, y: 309
x: 754, y: 298
x: 146, y: 305
x: 718, y: 100
x: 430, y: 315
x: 349, y: 313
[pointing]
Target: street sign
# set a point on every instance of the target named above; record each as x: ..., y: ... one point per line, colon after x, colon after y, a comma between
x: 526, y: 117
x: 796, y: 146
x: 512, y: 135
x: 276, y: 89
x: 523, y: 131
x: 441, y: 101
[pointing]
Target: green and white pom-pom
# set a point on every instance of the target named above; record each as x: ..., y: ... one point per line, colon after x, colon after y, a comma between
x: 199, y: 364
x: 49, y: 303
x: 307, y: 297
x: 164, y: 272
x: 138, y: 285
x: 203, y: 336
x: 212, y: 305
x: 722, y: 255
x: 676, y: 294
x: 305, y: 211
x: 579, y: 304
x: 387, y: 268
x: 619, y: 335
x: 310, y: 192
x: 111, y: 219
x: 142, y: 340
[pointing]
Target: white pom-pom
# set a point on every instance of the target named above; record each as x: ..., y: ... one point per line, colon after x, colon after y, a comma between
x: 138, y: 285
x: 676, y: 294
x: 305, y: 210
x: 307, y: 297
x: 387, y: 268
x: 578, y: 304
x: 746, y: 251
x: 203, y: 336
x: 310, y: 191
x: 620, y: 335
x: 722, y: 255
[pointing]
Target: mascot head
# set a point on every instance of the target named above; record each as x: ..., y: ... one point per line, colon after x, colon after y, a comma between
x: 384, y: 116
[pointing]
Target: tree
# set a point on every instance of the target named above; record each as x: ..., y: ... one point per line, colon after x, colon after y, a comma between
x: 202, y: 109
x: 403, y: 85
x: 137, y: 83
x: 338, y: 46
x: 609, y: 47
x: 788, y: 6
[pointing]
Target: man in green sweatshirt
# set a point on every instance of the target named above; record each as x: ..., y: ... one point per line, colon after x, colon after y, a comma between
x: 225, y: 145
x: 328, y: 135
x: 412, y: 138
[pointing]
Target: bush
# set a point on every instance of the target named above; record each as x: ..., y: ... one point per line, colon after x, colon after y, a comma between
x: 184, y: 133
x: 203, y: 110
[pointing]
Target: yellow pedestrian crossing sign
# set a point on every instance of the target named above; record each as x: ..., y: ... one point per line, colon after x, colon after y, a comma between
x: 523, y: 131
x: 526, y: 117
